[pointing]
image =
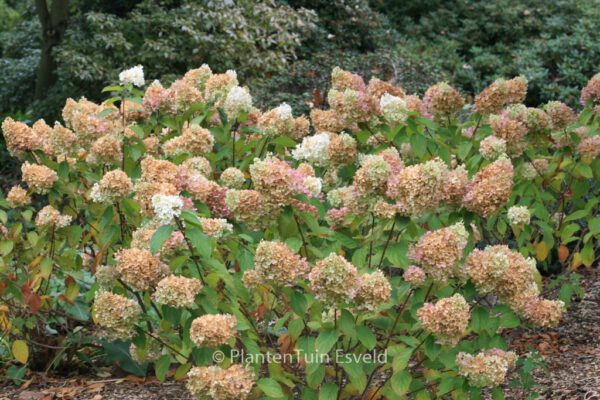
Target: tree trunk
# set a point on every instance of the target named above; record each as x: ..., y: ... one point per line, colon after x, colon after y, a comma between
x: 54, y: 25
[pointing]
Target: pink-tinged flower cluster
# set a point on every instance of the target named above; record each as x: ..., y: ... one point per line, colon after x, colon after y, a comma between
x: 213, y: 330
x: 561, y: 115
x: 84, y: 118
x: 490, y: 188
x: 591, y: 92
x: 499, y: 94
x: 512, y: 130
x: 589, y: 147
x: 280, y: 121
x: 447, y: 319
x: 442, y: 99
x: 158, y: 177
x: 455, y: 187
x: 492, y: 147
x: 414, y: 275
x: 418, y: 188
x: 487, y: 368
x: 251, y: 207
x: 232, y: 383
x: 277, y: 180
x: 19, y: 137
x: 371, y: 178
x: 333, y: 280
x: 373, y: 291
x: 485, y: 267
x: 275, y: 264
x: 508, y: 274
x: 439, y: 252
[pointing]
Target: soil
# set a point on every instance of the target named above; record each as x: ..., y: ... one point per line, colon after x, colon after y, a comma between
x: 571, y: 353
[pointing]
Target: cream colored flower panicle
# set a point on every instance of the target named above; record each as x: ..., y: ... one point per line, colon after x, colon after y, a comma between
x: 492, y: 147
x: 447, y: 319
x: 233, y: 178
x: 313, y: 149
x: 518, y: 216
x: 485, y: 267
x: 51, y: 217
x: 194, y: 140
x: 166, y: 208
x: 213, y: 330
x: 418, y: 188
x: 393, y: 109
x: 276, y: 264
x: 18, y: 197
x: 38, y: 177
x: 487, y: 368
x: 114, y: 186
x: 374, y: 290
x: 371, y: 178
x: 238, y: 101
x: 133, y: 76
x: 232, y: 383
x: 177, y: 291
x: 117, y: 314
x: 334, y: 280
x: 215, y: 227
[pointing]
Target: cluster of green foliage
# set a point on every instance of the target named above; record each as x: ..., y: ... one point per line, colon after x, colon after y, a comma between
x: 554, y: 43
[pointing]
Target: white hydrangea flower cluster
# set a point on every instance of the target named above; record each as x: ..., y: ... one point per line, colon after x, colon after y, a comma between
x: 134, y: 76
x: 238, y: 101
x: 313, y: 185
x: 284, y: 111
x: 314, y: 149
x: 166, y: 208
x: 518, y: 216
x: 393, y: 108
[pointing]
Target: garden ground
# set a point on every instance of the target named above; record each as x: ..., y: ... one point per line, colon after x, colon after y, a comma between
x: 571, y: 352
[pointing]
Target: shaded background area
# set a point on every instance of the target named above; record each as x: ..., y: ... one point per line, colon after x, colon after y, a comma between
x: 285, y: 50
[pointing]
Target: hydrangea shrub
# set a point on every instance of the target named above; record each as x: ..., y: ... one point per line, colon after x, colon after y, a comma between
x: 375, y: 249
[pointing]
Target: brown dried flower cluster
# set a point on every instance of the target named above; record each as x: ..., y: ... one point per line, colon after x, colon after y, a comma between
x: 276, y: 264
x: 139, y: 269
x: 232, y: 383
x: 213, y: 330
x: 177, y: 291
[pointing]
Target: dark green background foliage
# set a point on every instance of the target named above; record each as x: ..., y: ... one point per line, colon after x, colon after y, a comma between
x: 285, y: 49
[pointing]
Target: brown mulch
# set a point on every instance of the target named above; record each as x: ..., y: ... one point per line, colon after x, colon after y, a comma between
x: 571, y: 353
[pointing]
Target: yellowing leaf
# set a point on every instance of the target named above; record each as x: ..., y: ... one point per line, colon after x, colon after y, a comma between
x: 541, y: 251
x: 577, y: 261
x: 20, y: 351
